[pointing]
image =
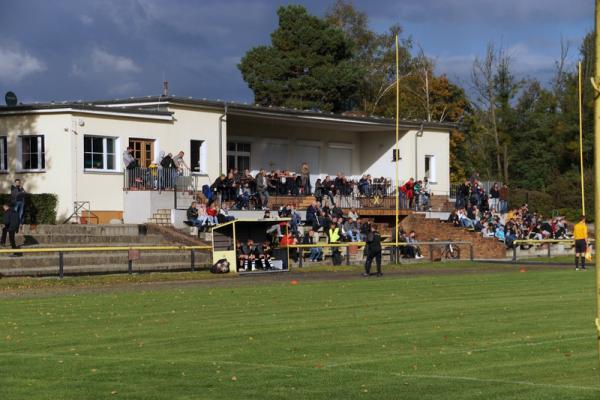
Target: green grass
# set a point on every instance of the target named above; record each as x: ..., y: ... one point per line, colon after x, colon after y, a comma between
x: 503, y: 335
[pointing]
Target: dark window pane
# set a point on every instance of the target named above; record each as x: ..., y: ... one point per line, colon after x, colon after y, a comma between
x: 33, y: 145
x: 244, y: 147
x: 243, y: 163
x: 87, y: 144
x: 97, y: 161
x: 230, y: 146
x: 97, y: 145
x: 110, y: 161
x: 230, y: 162
x: 110, y: 146
x: 87, y: 161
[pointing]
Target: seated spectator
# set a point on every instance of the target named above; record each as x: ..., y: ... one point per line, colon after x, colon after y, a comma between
x: 316, y: 253
x: 212, y: 214
x: 319, y: 192
x: 192, y: 215
x: 351, y: 230
x: 454, y: 219
x: 353, y: 214
x: 223, y: 215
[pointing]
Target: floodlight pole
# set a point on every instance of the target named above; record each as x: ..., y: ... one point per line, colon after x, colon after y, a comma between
x: 397, y: 155
x: 595, y: 83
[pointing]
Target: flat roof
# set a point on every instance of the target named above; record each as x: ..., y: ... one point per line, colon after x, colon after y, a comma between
x: 158, y: 106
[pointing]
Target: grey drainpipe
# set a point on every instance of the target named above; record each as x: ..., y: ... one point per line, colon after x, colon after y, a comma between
x: 222, y: 118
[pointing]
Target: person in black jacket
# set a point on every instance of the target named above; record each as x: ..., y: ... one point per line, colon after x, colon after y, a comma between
x: 17, y: 196
x: 11, y: 227
x: 373, y: 251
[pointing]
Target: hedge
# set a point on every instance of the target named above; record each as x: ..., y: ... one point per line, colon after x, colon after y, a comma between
x: 39, y: 208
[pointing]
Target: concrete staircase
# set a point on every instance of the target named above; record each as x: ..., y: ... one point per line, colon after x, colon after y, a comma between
x: 162, y: 217
x: 56, y: 236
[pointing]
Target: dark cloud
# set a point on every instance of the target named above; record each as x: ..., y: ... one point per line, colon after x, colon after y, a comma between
x: 72, y: 49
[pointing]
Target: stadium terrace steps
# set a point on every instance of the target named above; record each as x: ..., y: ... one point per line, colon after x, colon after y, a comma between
x: 161, y: 217
x: 434, y: 229
x: 71, y: 235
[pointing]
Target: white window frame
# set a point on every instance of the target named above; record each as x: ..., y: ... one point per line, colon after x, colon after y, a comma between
x: 116, y: 153
x: 3, y: 154
x: 202, y: 155
x: 40, y: 156
x: 238, y: 153
x: 432, y: 168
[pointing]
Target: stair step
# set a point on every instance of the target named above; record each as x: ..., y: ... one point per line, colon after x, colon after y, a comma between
x: 104, y: 269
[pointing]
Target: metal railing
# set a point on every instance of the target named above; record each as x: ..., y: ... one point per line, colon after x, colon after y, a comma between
x: 394, y: 254
x: 159, y: 179
x: 549, y: 242
x: 133, y: 253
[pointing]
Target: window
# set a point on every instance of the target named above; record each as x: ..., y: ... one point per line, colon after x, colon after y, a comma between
x: 3, y: 154
x: 430, y: 168
x: 99, y: 153
x: 33, y: 157
x: 396, y: 155
x: 238, y: 156
x: 198, y: 156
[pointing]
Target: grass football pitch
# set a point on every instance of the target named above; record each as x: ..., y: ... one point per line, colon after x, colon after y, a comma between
x: 494, y: 335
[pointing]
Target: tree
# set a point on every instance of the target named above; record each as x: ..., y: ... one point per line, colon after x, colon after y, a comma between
x: 375, y: 54
x: 309, y: 65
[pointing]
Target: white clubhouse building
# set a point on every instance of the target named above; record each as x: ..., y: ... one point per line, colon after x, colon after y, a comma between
x: 74, y: 149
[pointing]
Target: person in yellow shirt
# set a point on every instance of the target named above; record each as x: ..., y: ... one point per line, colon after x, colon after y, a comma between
x: 580, y: 234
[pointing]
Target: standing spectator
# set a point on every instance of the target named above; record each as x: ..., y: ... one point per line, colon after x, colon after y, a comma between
x: 305, y: 179
x: 425, y: 194
x: 130, y: 164
x: 17, y: 196
x: 334, y: 235
x: 169, y: 171
x: 11, y: 227
x: 504, y: 199
x: 180, y: 163
x: 373, y: 251
x: 580, y: 234
x: 262, y: 188
x: 494, y: 200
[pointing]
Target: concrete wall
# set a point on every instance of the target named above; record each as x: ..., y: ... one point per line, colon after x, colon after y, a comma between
x: 140, y: 205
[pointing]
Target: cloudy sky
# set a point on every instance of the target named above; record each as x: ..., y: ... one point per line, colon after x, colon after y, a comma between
x: 96, y: 49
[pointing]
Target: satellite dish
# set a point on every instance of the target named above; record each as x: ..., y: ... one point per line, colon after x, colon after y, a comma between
x: 11, y: 99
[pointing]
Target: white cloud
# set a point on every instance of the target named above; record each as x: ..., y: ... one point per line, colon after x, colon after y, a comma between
x: 100, y: 62
x: 103, y: 60
x: 17, y: 63
x: 86, y: 20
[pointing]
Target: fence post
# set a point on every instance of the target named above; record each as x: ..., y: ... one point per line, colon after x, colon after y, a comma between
x: 549, y: 250
x: 130, y: 267
x: 471, y: 253
x: 347, y: 255
x: 192, y: 260
x: 61, y: 265
x: 514, y: 258
x: 430, y: 252
x: 301, y: 258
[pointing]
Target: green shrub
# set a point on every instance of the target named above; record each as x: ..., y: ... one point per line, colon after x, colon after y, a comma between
x: 39, y: 208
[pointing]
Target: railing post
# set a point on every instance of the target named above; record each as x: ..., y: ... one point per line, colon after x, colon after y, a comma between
x: 175, y: 195
x: 61, y: 265
x: 514, y: 258
x: 549, y: 250
x: 130, y: 267
x: 301, y: 259
x: 347, y: 255
x: 192, y: 260
x: 471, y: 252
x: 430, y: 252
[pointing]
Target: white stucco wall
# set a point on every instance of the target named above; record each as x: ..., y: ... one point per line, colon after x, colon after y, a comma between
x: 377, y: 155
x: 58, y: 139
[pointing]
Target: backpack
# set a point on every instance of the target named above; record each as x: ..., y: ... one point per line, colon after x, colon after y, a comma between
x: 336, y: 257
x: 220, y: 267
